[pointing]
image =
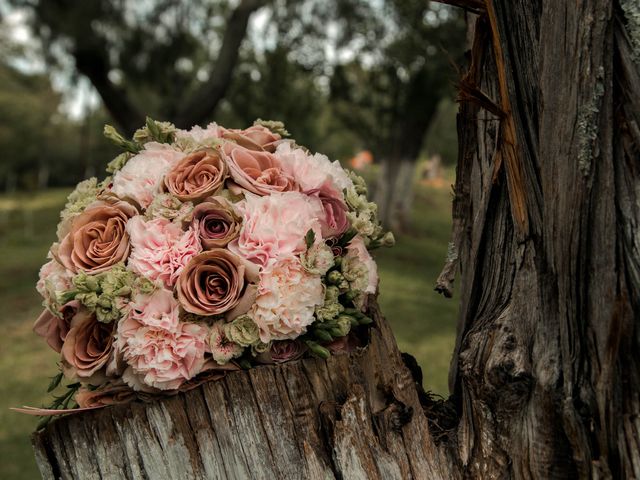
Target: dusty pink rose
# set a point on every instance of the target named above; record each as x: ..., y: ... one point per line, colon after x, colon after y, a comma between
x: 216, y: 222
x: 276, y: 225
x: 255, y: 137
x: 212, y: 283
x: 313, y: 172
x: 161, y: 358
x: 286, y: 301
x: 111, y: 393
x: 335, y: 221
x: 54, y: 328
x: 158, y: 309
x: 140, y: 179
x: 196, y: 176
x: 160, y: 249
x: 97, y: 239
x: 88, y: 347
x: 283, y: 351
x: 258, y: 172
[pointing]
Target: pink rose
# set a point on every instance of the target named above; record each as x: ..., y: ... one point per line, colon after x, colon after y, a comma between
x: 313, y: 172
x: 258, y: 172
x: 335, y: 222
x: 87, y: 348
x: 97, y: 239
x: 161, y: 358
x: 141, y: 178
x: 256, y: 137
x: 276, y: 225
x: 212, y: 283
x: 54, y: 328
x: 286, y: 300
x: 197, y: 175
x: 160, y: 249
x: 216, y: 222
x: 158, y: 309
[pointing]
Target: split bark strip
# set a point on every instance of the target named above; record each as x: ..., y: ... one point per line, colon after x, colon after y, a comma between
x: 508, y: 148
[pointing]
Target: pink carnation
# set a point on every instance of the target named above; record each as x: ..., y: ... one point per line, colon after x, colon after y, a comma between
x: 54, y: 278
x: 141, y: 178
x: 359, y: 253
x: 160, y: 248
x: 286, y: 301
x: 276, y: 225
x: 201, y: 135
x: 162, y: 358
x: 313, y: 172
x: 158, y: 309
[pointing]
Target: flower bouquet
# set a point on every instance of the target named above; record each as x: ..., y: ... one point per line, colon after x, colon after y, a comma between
x: 204, y: 251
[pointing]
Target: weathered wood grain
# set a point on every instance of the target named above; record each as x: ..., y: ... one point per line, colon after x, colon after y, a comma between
x: 352, y: 416
x: 546, y: 373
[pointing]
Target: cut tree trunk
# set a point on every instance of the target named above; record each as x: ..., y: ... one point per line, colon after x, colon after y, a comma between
x: 545, y: 374
x: 354, y: 416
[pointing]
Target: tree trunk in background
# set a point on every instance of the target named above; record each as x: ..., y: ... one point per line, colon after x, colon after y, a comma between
x: 545, y: 372
x: 394, y: 192
x: 403, y: 201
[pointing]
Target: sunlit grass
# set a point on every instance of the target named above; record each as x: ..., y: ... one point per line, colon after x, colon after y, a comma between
x: 423, y: 321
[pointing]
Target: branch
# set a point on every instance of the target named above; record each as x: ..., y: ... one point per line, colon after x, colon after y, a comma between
x: 473, y: 6
x: 206, y: 99
x: 91, y: 61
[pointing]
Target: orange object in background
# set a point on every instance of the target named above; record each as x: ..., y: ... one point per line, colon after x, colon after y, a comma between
x: 361, y: 160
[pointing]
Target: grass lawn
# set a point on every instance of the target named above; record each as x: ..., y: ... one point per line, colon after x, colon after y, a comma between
x: 424, y: 322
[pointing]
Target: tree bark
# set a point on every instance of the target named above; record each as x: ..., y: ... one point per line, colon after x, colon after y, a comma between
x: 545, y: 372
x: 354, y: 416
x: 545, y: 375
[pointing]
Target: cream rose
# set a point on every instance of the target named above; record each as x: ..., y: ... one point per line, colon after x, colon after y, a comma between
x: 216, y: 222
x: 87, y: 348
x: 197, y: 176
x: 97, y: 239
x: 212, y: 283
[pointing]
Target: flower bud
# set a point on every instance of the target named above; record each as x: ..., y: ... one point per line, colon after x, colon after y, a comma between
x: 322, y: 335
x: 318, y: 350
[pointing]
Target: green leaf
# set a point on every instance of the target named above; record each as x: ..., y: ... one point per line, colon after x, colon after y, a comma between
x: 347, y: 237
x: 55, y: 381
x: 310, y: 238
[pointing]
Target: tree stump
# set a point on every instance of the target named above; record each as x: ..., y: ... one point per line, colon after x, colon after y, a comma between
x: 352, y: 416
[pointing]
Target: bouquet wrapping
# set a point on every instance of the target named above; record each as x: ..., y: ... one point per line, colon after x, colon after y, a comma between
x: 205, y: 250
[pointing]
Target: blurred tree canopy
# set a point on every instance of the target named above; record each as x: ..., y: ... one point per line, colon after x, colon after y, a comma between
x: 343, y: 75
